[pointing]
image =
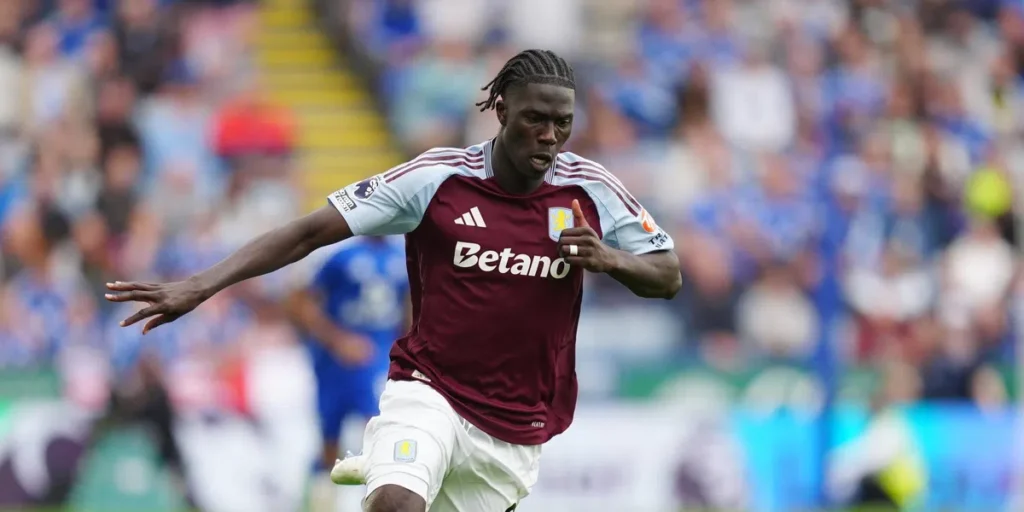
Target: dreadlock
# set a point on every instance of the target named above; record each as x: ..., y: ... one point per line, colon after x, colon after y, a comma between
x: 529, y: 67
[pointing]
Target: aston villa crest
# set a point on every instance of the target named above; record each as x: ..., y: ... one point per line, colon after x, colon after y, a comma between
x: 559, y: 219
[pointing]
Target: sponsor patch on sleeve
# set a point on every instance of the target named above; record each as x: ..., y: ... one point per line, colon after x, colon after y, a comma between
x: 364, y: 189
x: 659, y: 240
x: 648, y: 222
x: 342, y: 199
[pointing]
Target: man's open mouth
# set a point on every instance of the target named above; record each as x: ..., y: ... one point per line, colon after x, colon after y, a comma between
x: 541, y: 159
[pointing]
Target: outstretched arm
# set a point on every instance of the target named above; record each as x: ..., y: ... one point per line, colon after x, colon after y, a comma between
x: 262, y: 255
x: 653, y: 275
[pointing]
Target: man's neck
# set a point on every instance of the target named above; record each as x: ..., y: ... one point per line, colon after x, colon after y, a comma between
x: 505, y: 173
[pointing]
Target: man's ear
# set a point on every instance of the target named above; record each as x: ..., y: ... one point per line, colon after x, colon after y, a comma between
x: 501, y: 110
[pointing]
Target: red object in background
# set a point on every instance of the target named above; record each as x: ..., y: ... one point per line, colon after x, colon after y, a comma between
x: 876, y: 340
x: 235, y: 385
x: 250, y: 125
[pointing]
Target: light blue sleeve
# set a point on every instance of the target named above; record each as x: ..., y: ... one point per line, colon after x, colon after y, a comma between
x: 625, y: 224
x: 392, y: 202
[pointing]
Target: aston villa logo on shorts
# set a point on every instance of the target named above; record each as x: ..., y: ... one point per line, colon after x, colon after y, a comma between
x: 559, y: 219
x: 405, y: 451
x: 364, y: 189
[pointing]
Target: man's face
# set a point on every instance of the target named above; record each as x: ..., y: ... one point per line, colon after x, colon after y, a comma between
x: 538, y: 120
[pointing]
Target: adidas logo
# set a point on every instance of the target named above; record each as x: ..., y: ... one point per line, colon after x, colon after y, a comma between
x: 472, y: 218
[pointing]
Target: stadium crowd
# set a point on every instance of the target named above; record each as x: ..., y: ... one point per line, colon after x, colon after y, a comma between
x: 839, y: 177
x: 839, y: 174
x: 842, y: 177
x: 135, y: 142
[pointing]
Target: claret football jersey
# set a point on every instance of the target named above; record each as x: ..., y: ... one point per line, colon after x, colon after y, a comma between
x: 495, y: 309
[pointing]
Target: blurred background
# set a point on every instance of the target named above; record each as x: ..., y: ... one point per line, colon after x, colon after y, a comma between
x: 840, y: 177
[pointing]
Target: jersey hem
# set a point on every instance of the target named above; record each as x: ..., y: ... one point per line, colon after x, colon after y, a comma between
x: 651, y: 250
x: 506, y: 435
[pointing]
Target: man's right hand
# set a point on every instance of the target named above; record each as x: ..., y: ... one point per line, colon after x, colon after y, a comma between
x: 167, y: 302
x: 351, y: 349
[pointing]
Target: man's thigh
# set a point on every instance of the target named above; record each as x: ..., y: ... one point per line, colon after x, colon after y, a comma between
x: 471, y: 492
x: 410, y: 444
x: 494, y: 478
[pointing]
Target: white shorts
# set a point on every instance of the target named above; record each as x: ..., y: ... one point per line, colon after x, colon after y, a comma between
x: 420, y: 443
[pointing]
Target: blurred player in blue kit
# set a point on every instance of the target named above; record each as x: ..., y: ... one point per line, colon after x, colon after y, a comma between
x: 356, y: 305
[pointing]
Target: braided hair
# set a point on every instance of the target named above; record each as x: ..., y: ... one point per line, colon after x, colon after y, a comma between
x: 529, y: 67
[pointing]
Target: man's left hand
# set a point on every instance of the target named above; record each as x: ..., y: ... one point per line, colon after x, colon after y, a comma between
x: 581, y: 247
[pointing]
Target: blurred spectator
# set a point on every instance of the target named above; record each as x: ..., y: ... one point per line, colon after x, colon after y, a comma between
x: 76, y: 21
x: 887, y: 299
x: 962, y: 39
x: 435, y: 95
x: 854, y: 88
x: 43, y: 289
x: 698, y: 164
x: 979, y: 269
x: 638, y: 95
x: 559, y: 29
x: 710, y: 299
x: 82, y: 179
x: 482, y: 125
x: 820, y: 20
x: 469, y: 28
x: 775, y: 317
x: 993, y: 96
x: 53, y: 87
x: 390, y: 30
x: 753, y: 103
x: 11, y: 70
x: 100, y: 56
x: 901, y: 127
x: 144, y: 44
x: 721, y: 36
x: 176, y: 125
x: 667, y: 41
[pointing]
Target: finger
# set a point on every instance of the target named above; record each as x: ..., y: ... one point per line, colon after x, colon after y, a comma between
x: 579, y: 231
x: 578, y: 261
x: 583, y: 246
x: 577, y: 214
x: 135, y: 295
x: 582, y: 241
x: 141, y: 314
x: 581, y: 252
x: 122, y: 286
x: 156, y: 322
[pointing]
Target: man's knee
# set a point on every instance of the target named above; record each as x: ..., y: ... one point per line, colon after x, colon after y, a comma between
x: 394, y: 498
